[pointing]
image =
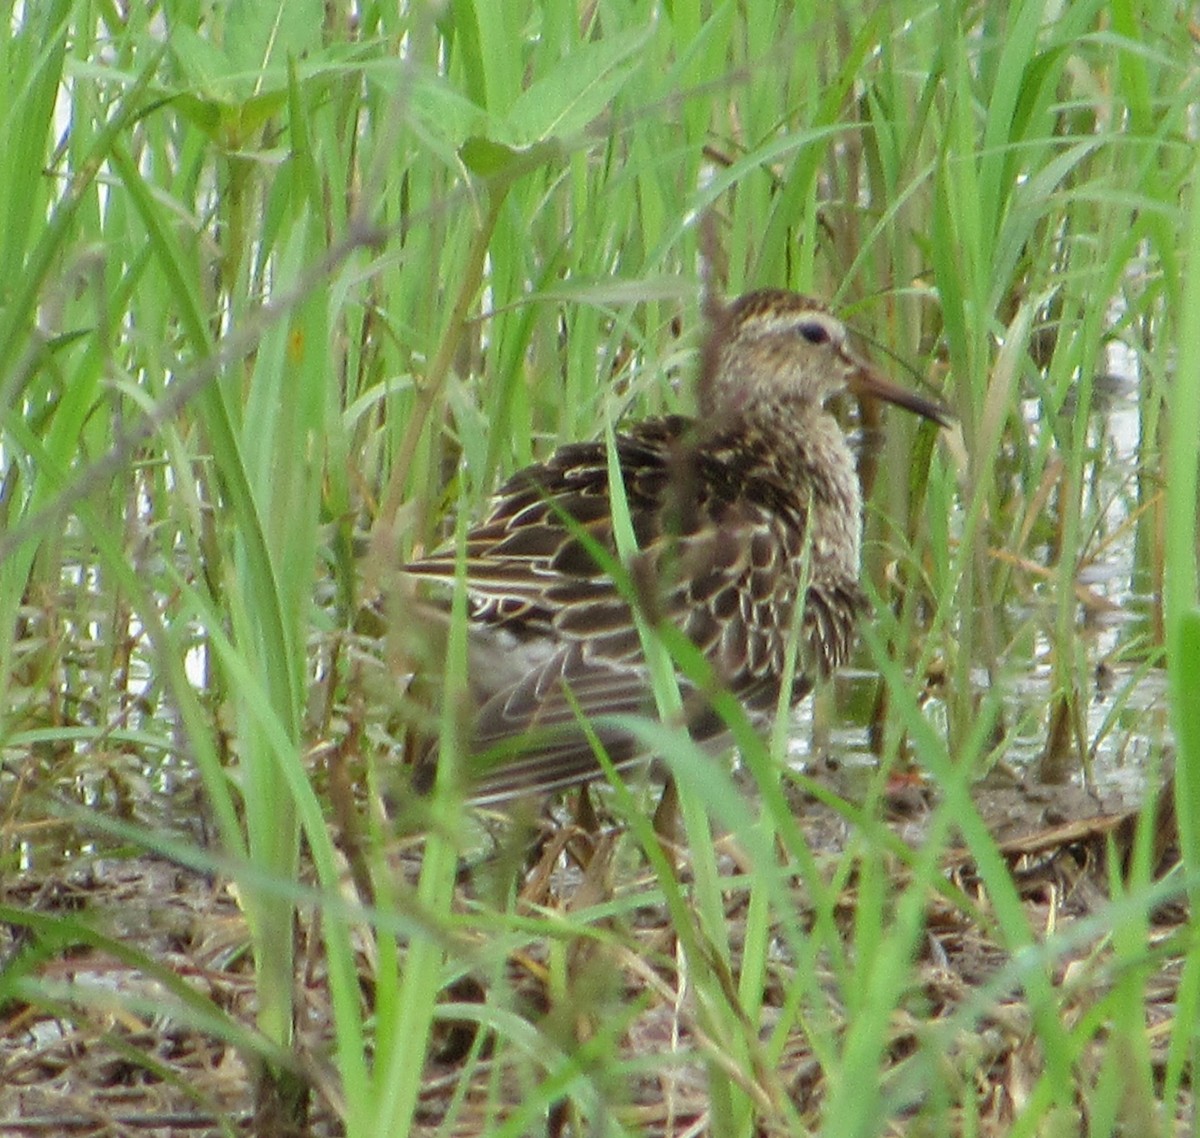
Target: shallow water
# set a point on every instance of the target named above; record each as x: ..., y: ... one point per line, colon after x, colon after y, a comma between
x: 1123, y: 697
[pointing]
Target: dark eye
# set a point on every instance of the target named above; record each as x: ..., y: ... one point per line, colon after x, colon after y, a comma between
x: 814, y: 332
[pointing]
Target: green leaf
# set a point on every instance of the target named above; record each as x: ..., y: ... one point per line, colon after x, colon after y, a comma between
x: 578, y: 90
x: 260, y: 38
x: 491, y: 159
x: 202, y: 65
x: 446, y: 113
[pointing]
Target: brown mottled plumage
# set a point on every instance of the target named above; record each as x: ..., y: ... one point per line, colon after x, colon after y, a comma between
x: 733, y: 514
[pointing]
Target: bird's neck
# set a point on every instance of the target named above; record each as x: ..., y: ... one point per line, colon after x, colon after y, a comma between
x: 813, y: 461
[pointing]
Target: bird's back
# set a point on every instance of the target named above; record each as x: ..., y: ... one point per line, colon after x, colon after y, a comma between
x: 722, y: 551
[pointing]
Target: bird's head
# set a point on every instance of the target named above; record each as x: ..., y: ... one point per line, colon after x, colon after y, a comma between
x: 776, y: 348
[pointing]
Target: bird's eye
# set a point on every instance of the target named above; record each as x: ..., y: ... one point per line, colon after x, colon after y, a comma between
x: 814, y: 332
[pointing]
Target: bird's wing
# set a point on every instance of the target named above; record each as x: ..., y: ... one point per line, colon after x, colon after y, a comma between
x: 529, y: 734
x: 717, y: 557
x: 545, y: 522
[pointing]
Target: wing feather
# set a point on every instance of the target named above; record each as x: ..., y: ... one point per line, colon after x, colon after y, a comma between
x: 719, y: 556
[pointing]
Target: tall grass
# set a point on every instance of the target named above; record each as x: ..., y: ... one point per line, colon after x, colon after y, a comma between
x: 275, y: 278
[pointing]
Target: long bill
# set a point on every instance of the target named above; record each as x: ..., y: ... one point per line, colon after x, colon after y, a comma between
x: 868, y: 381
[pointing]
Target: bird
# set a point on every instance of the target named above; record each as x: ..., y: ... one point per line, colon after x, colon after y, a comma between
x: 739, y: 513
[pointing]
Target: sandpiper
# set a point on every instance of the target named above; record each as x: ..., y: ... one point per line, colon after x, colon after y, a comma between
x: 738, y: 515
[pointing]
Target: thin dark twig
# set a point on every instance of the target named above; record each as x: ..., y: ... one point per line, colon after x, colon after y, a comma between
x: 713, y: 275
